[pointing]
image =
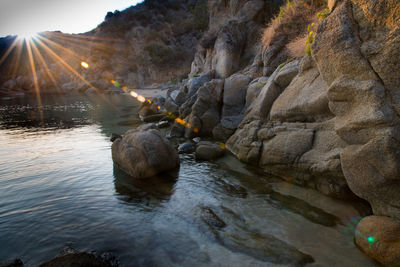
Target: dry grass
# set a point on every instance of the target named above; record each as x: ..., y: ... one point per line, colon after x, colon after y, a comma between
x: 292, y: 21
x: 297, y: 47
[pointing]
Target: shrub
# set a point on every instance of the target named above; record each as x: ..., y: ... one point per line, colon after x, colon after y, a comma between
x: 292, y: 20
x: 310, y: 39
x: 159, y: 53
x: 323, y: 14
x: 297, y: 46
x: 200, y: 15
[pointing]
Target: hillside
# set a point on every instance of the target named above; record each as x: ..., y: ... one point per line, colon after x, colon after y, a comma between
x: 152, y: 42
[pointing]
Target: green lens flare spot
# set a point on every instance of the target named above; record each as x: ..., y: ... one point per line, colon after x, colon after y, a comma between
x: 371, y: 239
x: 117, y: 84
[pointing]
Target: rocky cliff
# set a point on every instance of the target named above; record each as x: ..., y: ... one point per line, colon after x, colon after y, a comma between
x: 328, y: 120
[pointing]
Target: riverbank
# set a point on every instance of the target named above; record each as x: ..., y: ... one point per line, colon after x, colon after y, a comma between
x: 61, y: 189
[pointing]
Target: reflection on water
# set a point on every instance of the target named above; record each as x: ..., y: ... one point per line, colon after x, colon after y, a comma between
x: 150, y: 190
x: 58, y: 188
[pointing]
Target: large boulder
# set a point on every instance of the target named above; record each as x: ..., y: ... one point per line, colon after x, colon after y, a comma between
x: 234, y: 99
x: 144, y: 153
x: 305, y: 99
x: 286, y: 147
x: 205, y: 112
x: 286, y: 73
x: 378, y: 237
x: 196, y: 82
x: 254, y: 89
x: 261, y: 106
x: 206, y: 150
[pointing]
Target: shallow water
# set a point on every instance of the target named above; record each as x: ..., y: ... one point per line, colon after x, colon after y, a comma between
x: 58, y: 188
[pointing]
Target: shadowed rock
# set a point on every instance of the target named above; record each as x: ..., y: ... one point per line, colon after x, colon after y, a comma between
x: 12, y: 263
x: 144, y: 153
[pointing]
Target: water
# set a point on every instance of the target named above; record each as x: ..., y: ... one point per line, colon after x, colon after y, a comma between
x: 58, y: 188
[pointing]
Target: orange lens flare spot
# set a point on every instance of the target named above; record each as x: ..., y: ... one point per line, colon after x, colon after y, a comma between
x: 158, y: 107
x: 141, y: 99
x: 124, y: 88
x: 222, y: 145
x: 180, y: 121
x: 134, y: 94
x: 84, y: 64
x: 195, y: 130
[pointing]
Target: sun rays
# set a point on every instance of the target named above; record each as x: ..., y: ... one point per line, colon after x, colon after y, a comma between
x: 53, y: 54
x: 47, y: 58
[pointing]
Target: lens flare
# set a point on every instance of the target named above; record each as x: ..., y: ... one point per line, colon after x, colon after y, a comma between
x: 84, y: 64
x: 141, y: 99
x: 134, y: 94
x: 115, y: 83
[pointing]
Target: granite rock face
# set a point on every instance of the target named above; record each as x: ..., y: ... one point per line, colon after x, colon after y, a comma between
x: 361, y: 45
x: 288, y: 130
x: 335, y: 125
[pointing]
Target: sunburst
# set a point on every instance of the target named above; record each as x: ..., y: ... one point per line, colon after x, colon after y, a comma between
x: 42, y: 49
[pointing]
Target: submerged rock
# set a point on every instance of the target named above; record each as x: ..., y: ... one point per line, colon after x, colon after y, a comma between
x: 206, y: 150
x: 80, y: 259
x: 211, y: 219
x: 144, y: 153
x: 187, y: 147
x: 264, y: 247
x: 238, y: 238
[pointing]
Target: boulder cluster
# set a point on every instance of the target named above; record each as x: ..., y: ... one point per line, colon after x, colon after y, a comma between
x: 329, y: 120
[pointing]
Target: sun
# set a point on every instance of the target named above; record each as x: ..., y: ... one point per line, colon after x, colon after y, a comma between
x: 27, y: 35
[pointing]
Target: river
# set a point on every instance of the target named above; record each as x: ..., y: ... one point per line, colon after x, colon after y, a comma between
x: 58, y: 189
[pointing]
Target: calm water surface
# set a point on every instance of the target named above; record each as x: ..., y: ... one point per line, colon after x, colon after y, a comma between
x: 58, y: 188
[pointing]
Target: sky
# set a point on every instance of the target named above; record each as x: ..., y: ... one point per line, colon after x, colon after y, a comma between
x: 26, y: 17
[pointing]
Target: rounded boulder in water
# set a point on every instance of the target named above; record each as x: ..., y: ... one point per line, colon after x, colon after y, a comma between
x: 144, y: 153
